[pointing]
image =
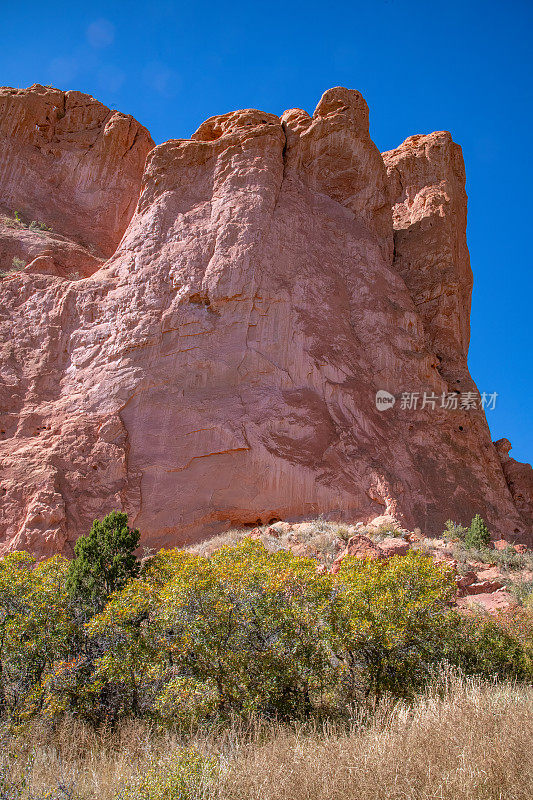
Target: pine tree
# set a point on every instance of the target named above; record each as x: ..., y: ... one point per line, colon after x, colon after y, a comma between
x: 478, y: 535
x: 104, y: 561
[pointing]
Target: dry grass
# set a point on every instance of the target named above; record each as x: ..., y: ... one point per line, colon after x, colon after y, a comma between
x: 318, y: 538
x: 476, y: 743
x: 229, y: 538
x: 471, y: 741
x: 88, y: 764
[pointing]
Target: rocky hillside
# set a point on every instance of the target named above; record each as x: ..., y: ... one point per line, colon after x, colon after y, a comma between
x: 199, y: 339
x: 492, y: 579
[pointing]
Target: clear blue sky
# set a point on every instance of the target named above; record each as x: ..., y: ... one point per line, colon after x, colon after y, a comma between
x: 461, y: 66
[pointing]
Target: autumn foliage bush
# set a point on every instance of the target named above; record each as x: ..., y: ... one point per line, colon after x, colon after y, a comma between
x: 188, y: 638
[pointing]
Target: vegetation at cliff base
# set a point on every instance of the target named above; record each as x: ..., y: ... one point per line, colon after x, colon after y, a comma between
x: 104, y: 561
x: 184, y: 641
x: 188, y: 638
x: 478, y: 535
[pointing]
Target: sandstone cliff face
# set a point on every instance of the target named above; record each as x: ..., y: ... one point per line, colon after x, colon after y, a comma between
x: 72, y: 163
x: 519, y: 477
x: 221, y: 366
x: 427, y: 184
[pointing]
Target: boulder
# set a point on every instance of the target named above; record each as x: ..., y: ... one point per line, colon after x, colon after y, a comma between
x: 492, y: 602
x: 501, y: 544
x: 490, y: 573
x: 359, y: 546
x: 273, y: 531
x: 483, y: 587
x: 464, y: 581
x: 393, y: 546
x: 255, y: 533
x: 280, y: 528
x: 383, y: 519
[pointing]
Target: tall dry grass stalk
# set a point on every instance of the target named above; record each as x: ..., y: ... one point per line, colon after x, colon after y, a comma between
x: 475, y: 743
x: 463, y: 740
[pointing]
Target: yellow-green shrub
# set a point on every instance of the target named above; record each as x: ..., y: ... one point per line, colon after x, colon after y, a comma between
x: 186, y: 701
x: 385, y: 619
x: 241, y: 631
x: 183, y: 776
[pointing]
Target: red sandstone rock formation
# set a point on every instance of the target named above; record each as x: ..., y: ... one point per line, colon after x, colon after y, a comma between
x: 72, y: 163
x: 519, y: 477
x: 221, y: 366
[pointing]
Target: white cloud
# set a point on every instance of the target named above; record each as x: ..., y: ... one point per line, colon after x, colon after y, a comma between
x: 161, y: 79
x: 100, y: 33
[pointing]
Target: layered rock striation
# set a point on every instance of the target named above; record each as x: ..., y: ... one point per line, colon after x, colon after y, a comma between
x: 221, y: 366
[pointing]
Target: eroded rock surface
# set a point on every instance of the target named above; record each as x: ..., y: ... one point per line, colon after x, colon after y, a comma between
x: 70, y: 162
x: 221, y: 366
x: 519, y: 477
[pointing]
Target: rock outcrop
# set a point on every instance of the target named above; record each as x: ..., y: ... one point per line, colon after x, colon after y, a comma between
x: 519, y: 477
x: 495, y: 584
x: 221, y: 366
x: 70, y: 162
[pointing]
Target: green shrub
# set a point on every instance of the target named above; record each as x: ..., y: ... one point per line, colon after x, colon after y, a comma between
x: 16, y: 266
x: 499, y: 646
x: 185, y: 701
x: 243, y: 631
x: 454, y: 531
x: 36, y: 630
x: 38, y: 226
x: 186, y: 775
x: 478, y: 535
x: 104, y: 561
x: 385, y: 622
x: 244, y: 620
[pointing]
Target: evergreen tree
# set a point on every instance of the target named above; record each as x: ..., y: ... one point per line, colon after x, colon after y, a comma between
x: 478, y: 535
x: 104, y: 561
